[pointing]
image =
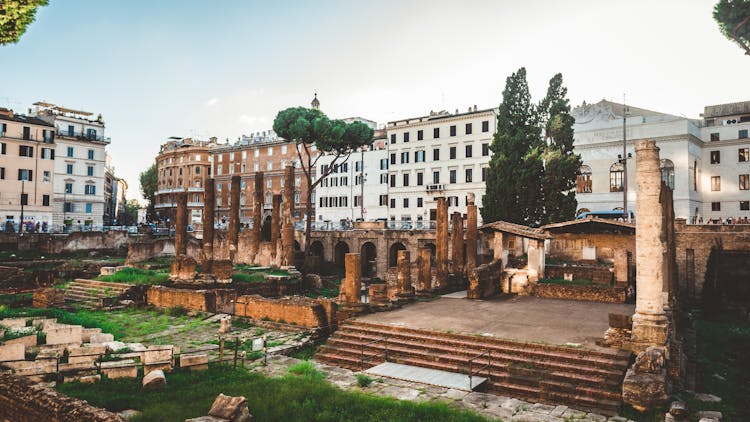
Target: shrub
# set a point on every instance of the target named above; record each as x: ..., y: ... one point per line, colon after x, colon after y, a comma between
x: 307, y: 370
x: 363, y: 380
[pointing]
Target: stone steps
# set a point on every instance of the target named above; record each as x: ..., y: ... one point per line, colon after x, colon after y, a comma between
x: 91, y: 293
x: 583, y: 379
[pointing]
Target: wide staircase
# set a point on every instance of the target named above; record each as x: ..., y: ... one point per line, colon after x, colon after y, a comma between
x: 93, y: 294
x: 583, y: 379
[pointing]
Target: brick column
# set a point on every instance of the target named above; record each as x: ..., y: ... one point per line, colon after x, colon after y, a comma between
x: 457, y: 243
x: 180, y: 229
x: 621, y: 266
x: 404, y: 289
x: 424, y: 276
x: 441, y: 243
x: 257, y: 235
x: 471, y: 234
x: 209, y: 204
x: 649, y: 320
x: 276, y: 220
x: 350, y: 294
x: 234, y: 217
x: 287, y: 228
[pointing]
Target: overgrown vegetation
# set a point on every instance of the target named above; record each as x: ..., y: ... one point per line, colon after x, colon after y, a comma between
x: 291, y: 398
x: 137, y: 276
x: 15, y: 300
x: 363, y: 380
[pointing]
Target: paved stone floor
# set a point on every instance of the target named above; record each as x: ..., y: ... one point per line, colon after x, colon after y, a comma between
x: 522, y: 318
x: 496, y: 407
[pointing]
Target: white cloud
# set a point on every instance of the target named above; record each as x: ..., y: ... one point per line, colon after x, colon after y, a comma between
x: 251, y: 120
x: 212, y: 102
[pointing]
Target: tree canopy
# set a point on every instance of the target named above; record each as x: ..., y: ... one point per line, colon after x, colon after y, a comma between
x: 15, y: 17
x: 733, y: 17
x: 149, y: 183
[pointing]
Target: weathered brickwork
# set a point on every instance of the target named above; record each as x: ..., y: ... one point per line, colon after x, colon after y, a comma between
x: 579, y: 292
x: 597, y: 274
x: 569, y: 246
x: 302, y: 311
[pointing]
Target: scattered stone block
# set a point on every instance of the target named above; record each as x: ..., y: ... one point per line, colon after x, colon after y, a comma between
x: 154, y: 379
x: 206, y: 419
x: 113, y: 346
x: 119, y: 369
x: 233, y: 409
x: 87, y: 332
x: 44, y: 322
x: 196, y: 362
x: 13, y: 322
x: 620, y: 321
x: 156, y: 354
x: 710, y: 414
x: 707, y: 398
x: 90, y: 379
x: 9, y: 352
x: 226, y: 325
x: 101, y: 338
x: 678, y: 409
x: 28, y: 341
x: 107, y: 270
x: 129, y: 414
x: 87, y: 355
x: 63, y: 334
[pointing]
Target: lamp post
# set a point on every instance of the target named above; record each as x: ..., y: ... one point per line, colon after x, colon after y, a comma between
x: 623, y: 159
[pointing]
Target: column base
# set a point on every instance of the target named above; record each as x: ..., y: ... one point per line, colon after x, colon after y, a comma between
x: 648, y: 330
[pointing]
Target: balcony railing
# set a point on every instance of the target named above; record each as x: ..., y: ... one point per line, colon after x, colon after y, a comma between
x: 82, y: 136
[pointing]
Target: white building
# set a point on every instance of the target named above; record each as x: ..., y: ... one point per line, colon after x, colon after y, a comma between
x: 79, y: 166
x: 441, y: 154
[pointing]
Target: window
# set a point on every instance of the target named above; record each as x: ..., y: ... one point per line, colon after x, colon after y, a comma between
x: 436, y: 154
x: 468, y: 151
x: 744, y: 155
x: 344, y: 167
x: 486, y: 126
x: 468, y: 128
x: 269, y: 184
x: 484, y: 174
x: 383, y: 178
x: 452, y: 153
x: 269, y: 166
x: 68, y: 187
x: 25, y: 151
x: 384, y: 164
x: 3, y: 148
x: 283, y: 150
x: 47, y: 176
x: 26, y: 132
x: 667, y: 172
x: 419, y: 202
x: 420, y: 135
x: 420, y: 178
x: 616, y: 172
x: 436, y: 132
x: 393, y: 203
x: 406, y: 136
x: 383, y: 200
x: 231, y: 156
x: 91, y: 133
x: 45, y: 200
x: 393, y: 158
x: 715, y: 183
x: 89, y: 190
x: 27, y: 175
x: 24, y: 199
x: 357, y: 166
x: 436, y: 177
x: 344, y: 181
x: 2, y: 173
x: 715, y: 206
x: 744, y: 205
x: 218, y: 186
x: 90, y: 170
x: 452, y: 176
x: 48, y: 153
x: 404, y: 158
x: 393, y: 181
x: 70, y: 151
x: 406, y: 202
x: 485, y: 150
x: 91, y: 154
x: 419, y: 156
x: 715, y: 157
x: 393, y: 138
x: 469, y: 174
x: 583, y: 180
x: 270, y: 151
x: 69, y: 207
x: 357, y: 200
x: 406, y: 179
x: 256, y: 166
x: 715, y: 137
x: 88, y: 208
x: 256, y: 153
x: 742, y: 134
x: 453, y: 130
x: 744, y: 182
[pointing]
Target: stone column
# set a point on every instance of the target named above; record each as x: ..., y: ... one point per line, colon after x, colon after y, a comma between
x: 471, y: 234
x: 649, y: 320
x: 276, y: 220
x: 497, y: 247
x: 257, y: 235
x: 621, y: 266
x: 457, y: 243
x: 234, y: 217
x: 180, y: 229
x: 209, y: 204
x: 287, y: 234
x: 404, y: 289
x: 441, y: 244
x: 533, y: 260
x: 351, y: 287
x: 424, y: 277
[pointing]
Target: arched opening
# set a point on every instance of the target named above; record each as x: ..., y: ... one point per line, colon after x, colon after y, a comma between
x: 616, y: 172
x: 339, y: 253
x: 433, y: 252
x: 316, y: 249
x: 369, y: 254
x: 266, y: 229
x: 667, y: 172
x: 583, y: 180
x: 393, y: 253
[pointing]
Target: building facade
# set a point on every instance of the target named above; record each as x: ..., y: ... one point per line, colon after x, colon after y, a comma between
x: 182, y: 165
x: 441, y: 154
x: 79, y: 198
x: 27, y: 164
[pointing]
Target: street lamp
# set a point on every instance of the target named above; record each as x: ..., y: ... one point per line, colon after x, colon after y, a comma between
x: 623, y: 159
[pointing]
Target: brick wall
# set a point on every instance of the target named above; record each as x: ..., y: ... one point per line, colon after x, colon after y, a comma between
x: 298, y: 310
x: 578, y: 292
x: 194, y: 300
x: 569, y: 246
x: 22, y: 400
x: 61, y: 243
x: 599, y: 275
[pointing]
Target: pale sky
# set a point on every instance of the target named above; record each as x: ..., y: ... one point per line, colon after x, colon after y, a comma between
x: 164, y: 68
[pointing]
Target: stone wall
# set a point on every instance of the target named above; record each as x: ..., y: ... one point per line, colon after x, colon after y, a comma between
x: 589, y: 293
x: 64, y: 243
x: 298, y: 310
x: 597, y: 274
x: 22, y: 400
x: 147, y: 249
x: 569, y: 246
x: 485, y: 280
x: 194, y: 300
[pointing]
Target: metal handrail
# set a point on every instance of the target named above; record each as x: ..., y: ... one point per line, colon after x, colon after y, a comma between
x: 476, y: 371
x: 362, y: 360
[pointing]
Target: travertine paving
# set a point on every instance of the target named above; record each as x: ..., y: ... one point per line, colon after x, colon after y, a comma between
x: 496, y: 407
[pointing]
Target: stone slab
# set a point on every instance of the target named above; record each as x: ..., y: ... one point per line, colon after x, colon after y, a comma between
x: 426, y: 376
x: 195, y: 362
x: 101, y: 338
x: 10, y: 352
x: 13, y: 322
x: 28, y: 341
x: 456, y: 295
x: 87, y: 332
x: 64, y: 334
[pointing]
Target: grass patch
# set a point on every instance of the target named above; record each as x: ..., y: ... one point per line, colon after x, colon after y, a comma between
x: 248, y: 278
x: 576, y: 282
x: 137, y: 276
x: 306, y: 370
x: 15, y: 300
x: 363, y: 380
x: 290, y: 399
x: 306, y: 352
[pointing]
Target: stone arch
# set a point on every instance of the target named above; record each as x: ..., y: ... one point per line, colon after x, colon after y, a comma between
x: 393, y: 253
x: 266, y: 229
x: 339, y: 253
x: 317, y: 249
x: 369, y: 254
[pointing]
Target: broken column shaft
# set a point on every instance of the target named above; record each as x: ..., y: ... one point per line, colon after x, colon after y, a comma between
x: 287, y: 228
x: 471, y: 234
x: 234, y: 217
x: 457, y: 244
x: 209, y: 203
x: 441, y: 244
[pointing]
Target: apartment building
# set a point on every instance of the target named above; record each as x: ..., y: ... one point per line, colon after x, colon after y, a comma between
x: 79, y: 201
x: 183, y: 164
x: 27, y: 163
x: 260, y: 152
x: 441, y: 154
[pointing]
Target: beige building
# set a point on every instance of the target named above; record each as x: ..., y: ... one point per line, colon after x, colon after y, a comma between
x: 27, y: 154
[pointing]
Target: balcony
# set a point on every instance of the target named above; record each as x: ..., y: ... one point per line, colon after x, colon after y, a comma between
x: 83, y: 136
x: 435, y: 188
